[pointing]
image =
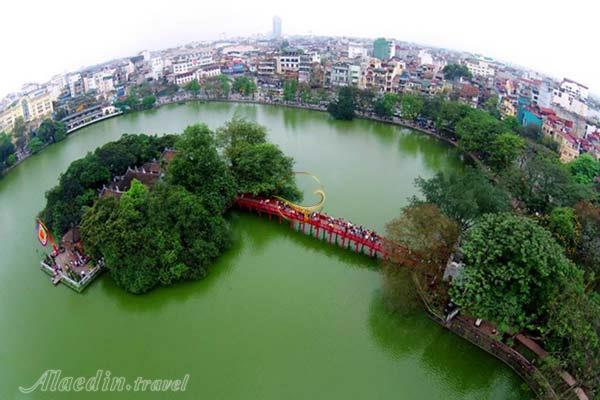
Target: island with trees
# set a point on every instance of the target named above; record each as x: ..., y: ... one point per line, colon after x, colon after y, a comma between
x: 174, y: 229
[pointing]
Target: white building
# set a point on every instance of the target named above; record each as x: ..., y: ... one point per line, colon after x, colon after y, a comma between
x: 75, y: 84
x: 574, y: 89
x: 425, y: 58
x: 570, y: 103
x: 185, y: 78
x: 480, y: 68
x: 157, y: 66
x: 189, y: 62
x: 354, y: 75
x: 208, y: 71
x: 288, y: 62
x: 339, y: 74
x: 356, y: 50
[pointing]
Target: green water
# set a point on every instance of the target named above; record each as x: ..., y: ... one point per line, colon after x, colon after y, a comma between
x: 281, y: 316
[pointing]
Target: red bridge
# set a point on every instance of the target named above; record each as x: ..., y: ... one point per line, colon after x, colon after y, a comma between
x: 334, y: 230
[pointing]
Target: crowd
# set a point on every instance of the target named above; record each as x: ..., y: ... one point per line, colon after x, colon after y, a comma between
x: 358, y: 231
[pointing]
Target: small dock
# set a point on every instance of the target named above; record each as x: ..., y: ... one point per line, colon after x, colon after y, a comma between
x: 69, y: 265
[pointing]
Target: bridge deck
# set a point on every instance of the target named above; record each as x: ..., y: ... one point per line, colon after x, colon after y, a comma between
x: 363, y: 240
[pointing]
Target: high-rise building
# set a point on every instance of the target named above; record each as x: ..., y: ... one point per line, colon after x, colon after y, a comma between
x: 276, y: 27
x: 381, y: 49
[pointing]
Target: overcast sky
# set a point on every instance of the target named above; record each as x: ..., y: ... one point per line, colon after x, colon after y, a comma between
x: 43, y: 38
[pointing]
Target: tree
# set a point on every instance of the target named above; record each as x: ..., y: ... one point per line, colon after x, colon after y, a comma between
x: 198, y: 168
x: 533, y: 132
x: 305, y: 93
x: 541, y: 182
x: 11, y: 160
x: 344, y: 106
x: 290, y: 88
x: 35, y: 145
x: 573, y: 332
x: 585, y: 168
x: 514, y: 270
x: 491, y: 106
x: 6, y: 149
x: 19, y: 132
x: 588, y: 248
x: 243, y: 85
x: 385, y: 105
x: 565, y: 228
x: 422, y: 238
x: 364, y: 98
x: 451, y: 113
x: 236, y: 134
x: 512, y: 124
x: 78, y: 187
x: 455, y: 71
x: 174, y: 236
x: 193, y: 87
x: 464, y: 196
x: 148, y: 102
x: 217, y: 86
x: 476, y: 130
x: 263, y: 169
x: 504, y: 150
x: 130, y: 103
x: 51, y: 131
x: 411, y: 105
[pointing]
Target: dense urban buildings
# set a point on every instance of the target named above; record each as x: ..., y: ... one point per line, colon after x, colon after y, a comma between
x: 561, y: 110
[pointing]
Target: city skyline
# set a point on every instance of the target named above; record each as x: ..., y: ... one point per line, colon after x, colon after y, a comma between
x: 538, y: 46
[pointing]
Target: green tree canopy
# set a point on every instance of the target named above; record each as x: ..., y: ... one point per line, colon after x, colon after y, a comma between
x: 385, y: 105
x: 588, y: 246
x: 237, y: 133
x: 504, y: 150
x: 77, y: 187
x: 244, y: 85
x: 7, y: 149
x: 455, y: 71
x: 19, y: 132
x: 427, y: 234
x: 217, y: 87
x: 290, y: 88
x: 573, y: 333
x: 344, y: 106
x: 198, y: 168
x: 541, y: 182
x: 514, y: 270
x: 585, y: 168
x: 193, y: 87
x: 35, y: 145
x: 563, y: 225
x: 175, y: 237
x: 476, y: 130
x: 263, y: 169
x: 463, y: 196
x: 51, y: 131
x: 148, y: 102
x: 412, y: 106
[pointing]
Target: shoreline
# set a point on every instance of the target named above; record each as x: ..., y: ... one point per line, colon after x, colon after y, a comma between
x: 394, y: 121
x: 68, y: 133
